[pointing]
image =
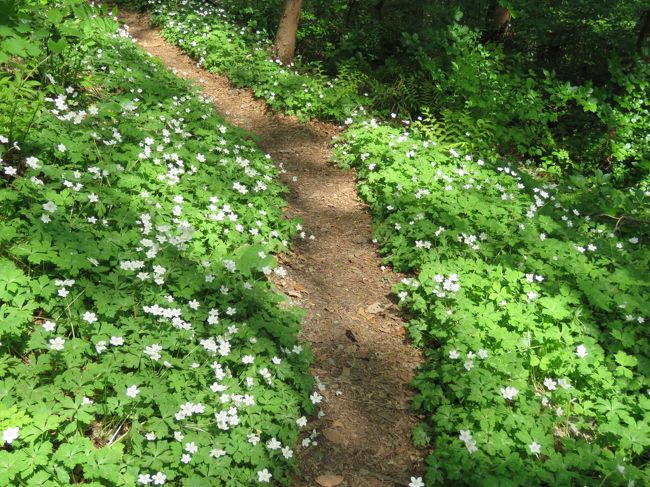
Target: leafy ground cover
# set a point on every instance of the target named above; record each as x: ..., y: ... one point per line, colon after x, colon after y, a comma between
x: 530, y: 302
x: 529, y: 296
x: 208, y: 33
x: 563, y: 85
x: 141, y: 340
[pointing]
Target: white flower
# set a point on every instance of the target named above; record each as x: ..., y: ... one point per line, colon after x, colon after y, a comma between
x: 100, y: 346
x: 535, y: 448
x: 10, y: 434
x: 49, y: 326
x: 471, y: 446
x: 178, y: 436
x: 61, y: 148
x: 247, y: 359
x: 50, y: 206
x: 186, y: 458
x: 301, y: 421
x: 273, y: 444
x: 550, y: 384
x: 483, y: 353
x: 57, y: 343
x: 132, y: 391
x: 465, y: 435
x: 509, y: 393
x: 159, y: 478
x: 86, y: 401
x: 191, y: 447
x: 150, y: 436
x: 581, y: 351
x: 453, y: 354
x: 144, y: 479
x: 32, y: 162
x: 153, y: 351
x: 287, y: 452
x: 217, y: 452
x: 89, y: 317
x: 116, y: 341
x: 264, y: 476
x: 416, y: 482
x: 315, y: 398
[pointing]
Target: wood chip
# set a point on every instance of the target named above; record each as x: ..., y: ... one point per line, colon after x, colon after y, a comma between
x: 334, y: 436
x: 376, y: 308
x: 329, y: 480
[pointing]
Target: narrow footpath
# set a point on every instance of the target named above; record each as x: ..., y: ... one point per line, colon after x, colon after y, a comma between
x: 361, y: 354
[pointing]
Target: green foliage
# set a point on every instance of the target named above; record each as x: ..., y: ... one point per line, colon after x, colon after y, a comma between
x: 530, y: 302
x: 141, y: 340
x: 565, y: 89
x: 209, y: 34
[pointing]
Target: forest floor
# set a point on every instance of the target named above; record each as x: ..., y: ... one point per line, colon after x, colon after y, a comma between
x: 362, y: 357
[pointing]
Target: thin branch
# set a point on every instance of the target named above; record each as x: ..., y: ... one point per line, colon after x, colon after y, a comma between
x: 622, y: 218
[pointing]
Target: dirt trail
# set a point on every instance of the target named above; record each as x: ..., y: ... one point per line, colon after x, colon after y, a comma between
x: 357, y: 337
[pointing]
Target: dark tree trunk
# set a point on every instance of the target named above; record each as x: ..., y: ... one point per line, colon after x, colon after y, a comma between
x: 351, y: 11
x: 644, y: 32
x: 285, y: 39
x: 497, y: 22
x: 379, y: 8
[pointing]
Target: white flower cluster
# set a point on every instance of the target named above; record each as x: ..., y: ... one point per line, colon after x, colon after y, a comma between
x: 189, y: 409
x: 466, y: 437
x: 444, y: 285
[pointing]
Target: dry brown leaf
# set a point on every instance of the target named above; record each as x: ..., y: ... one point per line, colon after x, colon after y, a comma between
x: 299, y: 287
x: 329, y: 480
x: 334, y: 436
x: 376, y: 308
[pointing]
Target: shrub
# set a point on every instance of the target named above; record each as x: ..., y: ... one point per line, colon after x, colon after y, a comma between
x: 529, y: 303
x: 141, y: 340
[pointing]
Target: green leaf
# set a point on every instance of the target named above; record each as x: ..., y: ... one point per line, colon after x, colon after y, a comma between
x: 55, y: 16
x: 57, y: 47
x: 625, y: 360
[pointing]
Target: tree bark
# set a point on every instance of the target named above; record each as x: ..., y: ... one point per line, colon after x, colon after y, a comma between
x: 497, y: 22
x: 285, y: 39
x: 644, y: 32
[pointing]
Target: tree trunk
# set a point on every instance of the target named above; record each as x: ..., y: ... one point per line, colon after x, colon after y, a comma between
x: 285, y: 39
x: 644, y: 32
x: 497, y: 23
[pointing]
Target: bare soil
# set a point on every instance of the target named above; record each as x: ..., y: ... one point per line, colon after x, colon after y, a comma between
x: 357, y: 336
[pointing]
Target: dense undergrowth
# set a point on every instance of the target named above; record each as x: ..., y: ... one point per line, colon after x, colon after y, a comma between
x: 567, y: 92
x: 520, y: 205
x: 530, y: 301
x: 531, y: 281
x: 209, y: 34
x: 141, y: 341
